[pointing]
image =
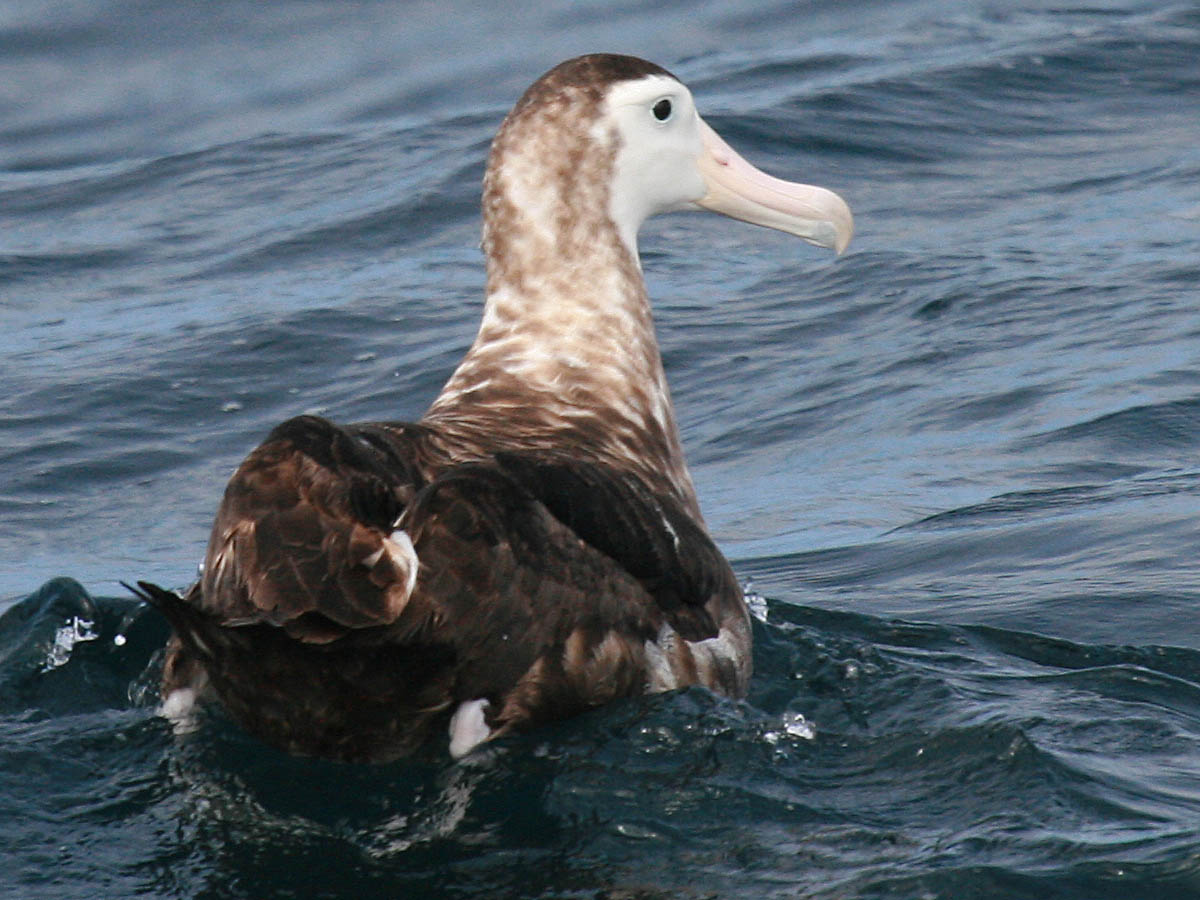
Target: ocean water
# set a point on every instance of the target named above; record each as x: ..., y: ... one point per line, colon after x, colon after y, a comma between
x: 958, y: 467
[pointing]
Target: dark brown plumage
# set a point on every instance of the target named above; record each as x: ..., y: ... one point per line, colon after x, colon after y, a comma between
x: 533, y: 546
x: 541, y: 582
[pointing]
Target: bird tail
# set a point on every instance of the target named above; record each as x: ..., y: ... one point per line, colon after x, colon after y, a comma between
x: 151, y: 593
x: 185, y: 619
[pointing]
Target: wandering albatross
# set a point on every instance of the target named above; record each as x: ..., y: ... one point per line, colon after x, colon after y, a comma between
x: 532, y: 547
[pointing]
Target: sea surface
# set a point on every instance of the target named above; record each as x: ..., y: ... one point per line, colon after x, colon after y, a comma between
x: 958, y: 467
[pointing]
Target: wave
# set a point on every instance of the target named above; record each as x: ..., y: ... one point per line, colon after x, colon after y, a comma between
x: 872, y: 753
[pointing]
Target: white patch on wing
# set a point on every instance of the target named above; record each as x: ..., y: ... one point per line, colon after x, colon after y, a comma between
x: 671, y: 528
x: 468, y: 727
x: 399, y: 547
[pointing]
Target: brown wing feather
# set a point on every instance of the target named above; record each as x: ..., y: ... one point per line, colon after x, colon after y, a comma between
x: 537, y: 585
x: 648, y: 534
x: 543, y: 624
x: 510, y: 606
x: 302, y: 536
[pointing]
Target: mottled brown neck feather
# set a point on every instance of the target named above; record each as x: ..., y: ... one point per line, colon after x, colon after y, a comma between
x: 566, y: 360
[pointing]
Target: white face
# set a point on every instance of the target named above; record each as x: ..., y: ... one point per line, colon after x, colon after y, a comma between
x: 670, y: 159
x: 657, y: 164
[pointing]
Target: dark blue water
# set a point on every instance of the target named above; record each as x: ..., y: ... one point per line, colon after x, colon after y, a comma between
x: 959, y: 465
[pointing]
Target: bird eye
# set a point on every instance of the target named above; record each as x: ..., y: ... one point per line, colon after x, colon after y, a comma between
x: 662, y: 109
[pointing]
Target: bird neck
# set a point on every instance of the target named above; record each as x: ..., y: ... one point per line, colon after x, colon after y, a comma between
x: 566, y: 361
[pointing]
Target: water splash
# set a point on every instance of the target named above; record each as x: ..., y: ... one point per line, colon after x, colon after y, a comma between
x: 756, y: 602
x: 792, y: 725
x: 77, y: 630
